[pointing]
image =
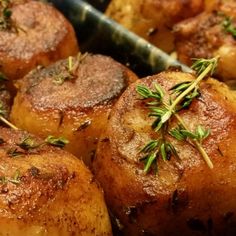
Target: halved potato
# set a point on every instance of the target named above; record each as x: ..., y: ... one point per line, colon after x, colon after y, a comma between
x: 47, y: 191
x: 185, y: 197
x: 71, y: 103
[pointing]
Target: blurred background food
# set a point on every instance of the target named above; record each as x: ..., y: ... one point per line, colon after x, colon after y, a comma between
x: 190, y: 29
x: 154, y: 19
x: 210, y: 34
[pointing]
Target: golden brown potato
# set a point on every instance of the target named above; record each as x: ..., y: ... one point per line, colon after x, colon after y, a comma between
x: 153, y: 19
x: 76, y: 108
x: 186, y: 197
x: 35, y: 34
x: 207, y: 35
x: 47, y: 191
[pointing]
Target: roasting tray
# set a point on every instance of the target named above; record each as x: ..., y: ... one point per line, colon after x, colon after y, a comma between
x: 97, y: 33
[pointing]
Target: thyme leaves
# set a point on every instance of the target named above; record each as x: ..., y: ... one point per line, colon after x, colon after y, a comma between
x: 185, y: 92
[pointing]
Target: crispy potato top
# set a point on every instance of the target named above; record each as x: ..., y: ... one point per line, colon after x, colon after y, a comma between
x: 96, y: 80
x: 39, y: 29
x: 183, y: 189
x: 215, y: 109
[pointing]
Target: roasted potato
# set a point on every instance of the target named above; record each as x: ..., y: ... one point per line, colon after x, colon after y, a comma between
x: 153, y: 19
x: 208, y: 35
x: 73, y: 103
x: 34, y: 34
x: 46, y: 191
x: 185, y: 197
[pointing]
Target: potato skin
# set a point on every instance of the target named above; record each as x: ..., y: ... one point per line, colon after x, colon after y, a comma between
x: 204, y: 37
x: 153, y: 19
x: 185, y: 197
x: 77, y: 109
x: 44, y: 36
x: 56, y: 195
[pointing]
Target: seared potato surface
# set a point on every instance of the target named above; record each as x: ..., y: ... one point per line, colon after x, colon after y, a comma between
x: 186, y: 197
x: 47, y: 191
x: 76, y: 108
x: 39, y: 35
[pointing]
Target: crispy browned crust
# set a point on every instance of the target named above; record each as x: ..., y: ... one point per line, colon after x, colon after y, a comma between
x: 78, y: 108
x: 185, y: 197
x: 153, y: 19
x: 204, y: 37
x: 56, y: 194
x: 43, y: 36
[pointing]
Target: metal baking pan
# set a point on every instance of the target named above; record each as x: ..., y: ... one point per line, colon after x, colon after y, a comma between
x: 97, y: 33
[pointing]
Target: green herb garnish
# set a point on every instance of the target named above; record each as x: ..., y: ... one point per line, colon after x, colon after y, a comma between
x: 228, y: 26
x: 71, y: 68
x: 163, y: 111
x: 14, y: 180
x: 14, y: 152
x: 58, y: 142
x: 28, y: 143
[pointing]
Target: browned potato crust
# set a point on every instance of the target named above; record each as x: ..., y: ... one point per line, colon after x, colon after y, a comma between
x: 76, y: 109
x: 186, y: 197
x: 47, y: 191
x: 204, y: 36
x: 42, y: 36
x: 153, y: 19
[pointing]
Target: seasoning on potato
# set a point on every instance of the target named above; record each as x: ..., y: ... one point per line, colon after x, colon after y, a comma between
x: 166, y: 160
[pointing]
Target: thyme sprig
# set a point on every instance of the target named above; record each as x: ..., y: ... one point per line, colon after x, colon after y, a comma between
x: 14, y: 180
x: 56, y: 141
x: 29, y: 143
x: 163, y: 111
x: 71, y: 68
x: 229, y: 27
x: 196, y: 138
